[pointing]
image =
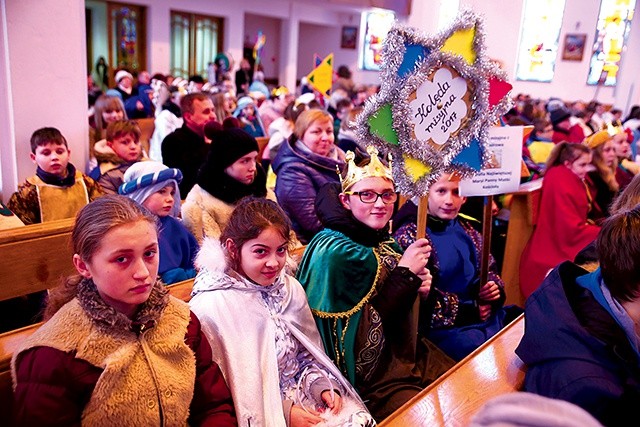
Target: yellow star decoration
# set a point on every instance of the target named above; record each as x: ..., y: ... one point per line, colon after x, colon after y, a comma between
x: 415, y: 168
x: 461, y: 43
x: 321, y: 77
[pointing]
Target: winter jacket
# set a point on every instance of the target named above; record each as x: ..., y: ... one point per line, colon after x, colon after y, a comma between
x: 185, y: 150
x: 563, y: 227
x: 576, y: 351
x: 91, y: 365
x: 205, y: 215
x: 300, y: 175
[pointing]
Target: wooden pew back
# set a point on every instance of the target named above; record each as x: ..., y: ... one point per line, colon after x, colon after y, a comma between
x: 493, y: 369
x: 12, y: 340
x: 35, y: 257
x: 524, y: 212
x: 147, y: 126
x: 262, y: 144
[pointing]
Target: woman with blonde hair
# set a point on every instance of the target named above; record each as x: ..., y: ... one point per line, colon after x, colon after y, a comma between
x: 107, y: 109
x: 305, y: 163
x: 601, y: 182
x: 224, y: 104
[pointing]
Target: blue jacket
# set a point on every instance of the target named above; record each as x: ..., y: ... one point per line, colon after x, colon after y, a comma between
x: 300, y: 176
x: 576, y: 351
x: 178, y: 249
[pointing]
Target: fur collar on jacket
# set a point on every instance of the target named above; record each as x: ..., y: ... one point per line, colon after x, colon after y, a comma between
x: 148, y: 374
x: 106, y: 317
x: 105, y: 154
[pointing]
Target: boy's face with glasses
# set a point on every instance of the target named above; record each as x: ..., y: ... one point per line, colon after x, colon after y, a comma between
x: 371, y: 201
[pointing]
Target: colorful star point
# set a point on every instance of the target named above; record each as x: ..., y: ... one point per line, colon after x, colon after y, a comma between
x: 497, y: 90
x: 461, y: 43
x: 415, y: 168
x: 381, y: 123
x: 438, y: 97
x: 321, y: 77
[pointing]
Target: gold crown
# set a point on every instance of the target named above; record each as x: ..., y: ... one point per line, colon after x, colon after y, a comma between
x: 355, y: 173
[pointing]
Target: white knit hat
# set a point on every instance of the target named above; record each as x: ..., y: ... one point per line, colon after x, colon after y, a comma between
x: 142, y: 179
x: 122, y: 74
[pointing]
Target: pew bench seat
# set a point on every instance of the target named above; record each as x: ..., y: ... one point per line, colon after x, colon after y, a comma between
x: 452, y: 400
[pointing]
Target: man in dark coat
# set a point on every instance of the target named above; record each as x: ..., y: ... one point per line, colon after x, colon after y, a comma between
x: 185, y: 148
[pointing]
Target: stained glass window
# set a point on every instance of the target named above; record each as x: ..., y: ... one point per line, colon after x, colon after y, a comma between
x: 612, y: 31
x: 377, y: 24
x: 541, y: 23
x: 127, y: 36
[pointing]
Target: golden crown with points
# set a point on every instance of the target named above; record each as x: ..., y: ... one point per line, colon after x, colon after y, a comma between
x: 356, y: 173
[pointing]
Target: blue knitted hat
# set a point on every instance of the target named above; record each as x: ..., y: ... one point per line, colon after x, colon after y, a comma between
x: 142, y: 179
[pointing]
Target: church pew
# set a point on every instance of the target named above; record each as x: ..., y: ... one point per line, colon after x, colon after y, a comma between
x: 35, y: 257
x: 491, y: 370
x: 262, y: 144
x: 147, y: 126
x: 524, y: 211
x: 11, y: 341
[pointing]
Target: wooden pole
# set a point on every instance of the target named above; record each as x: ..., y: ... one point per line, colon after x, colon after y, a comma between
x: 487, y: 220
x: 423, y: 207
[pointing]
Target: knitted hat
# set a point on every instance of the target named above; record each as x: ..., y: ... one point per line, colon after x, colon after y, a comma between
x: 142, y: 179
x: 228, y: 144
x: 305, y: 98
x: 597, y: 139
x: 243, y: 102
x: 122, y: 74
x: 559, y: 115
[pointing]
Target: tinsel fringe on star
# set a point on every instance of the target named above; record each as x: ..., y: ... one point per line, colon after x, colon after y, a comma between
x: 395, y: 90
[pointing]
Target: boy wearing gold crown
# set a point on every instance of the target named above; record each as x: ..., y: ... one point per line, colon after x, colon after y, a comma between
x: 363, y: 291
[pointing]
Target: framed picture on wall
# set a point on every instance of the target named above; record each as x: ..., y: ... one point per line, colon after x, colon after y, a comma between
x: 574, y: 45
x: 349, y: 37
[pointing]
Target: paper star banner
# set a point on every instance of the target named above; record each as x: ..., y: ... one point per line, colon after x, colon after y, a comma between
x: 438, y: 97
x: 321, y: 77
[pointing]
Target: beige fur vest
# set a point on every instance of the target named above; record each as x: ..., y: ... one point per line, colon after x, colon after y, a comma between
x: 148, y: 379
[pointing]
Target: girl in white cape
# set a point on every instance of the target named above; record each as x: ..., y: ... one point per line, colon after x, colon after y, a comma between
x: 257, y: 318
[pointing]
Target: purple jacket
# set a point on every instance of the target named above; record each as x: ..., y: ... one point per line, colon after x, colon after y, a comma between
x: 300, y: 176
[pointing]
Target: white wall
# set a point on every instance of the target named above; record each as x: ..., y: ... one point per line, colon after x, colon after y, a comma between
x: 43, y: 66
x: 9, y: 170
x: 270, y: 57
x: 100, y: 39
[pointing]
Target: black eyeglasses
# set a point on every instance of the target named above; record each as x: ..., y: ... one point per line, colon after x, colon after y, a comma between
x: 369, y: 196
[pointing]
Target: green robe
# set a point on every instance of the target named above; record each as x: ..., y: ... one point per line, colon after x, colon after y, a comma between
x: 378, y: 350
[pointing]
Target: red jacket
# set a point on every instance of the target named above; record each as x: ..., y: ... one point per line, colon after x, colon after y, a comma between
x: 53, y: 387
x: 562, y: 229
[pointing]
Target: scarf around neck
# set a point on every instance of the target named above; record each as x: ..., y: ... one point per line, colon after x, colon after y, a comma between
x: 230, y: 190
x: 57, y: 180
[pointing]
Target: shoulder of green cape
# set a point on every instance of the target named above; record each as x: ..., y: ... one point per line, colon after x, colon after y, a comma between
x: 338, y: 274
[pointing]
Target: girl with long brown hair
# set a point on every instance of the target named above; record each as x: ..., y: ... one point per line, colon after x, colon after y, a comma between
x: 116, y: 348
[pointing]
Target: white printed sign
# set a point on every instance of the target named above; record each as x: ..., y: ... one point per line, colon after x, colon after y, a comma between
x: 438, y: 109
x: 503, y: 174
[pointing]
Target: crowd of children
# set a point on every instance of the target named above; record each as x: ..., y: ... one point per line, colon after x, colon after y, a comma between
x: 369, y: 316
